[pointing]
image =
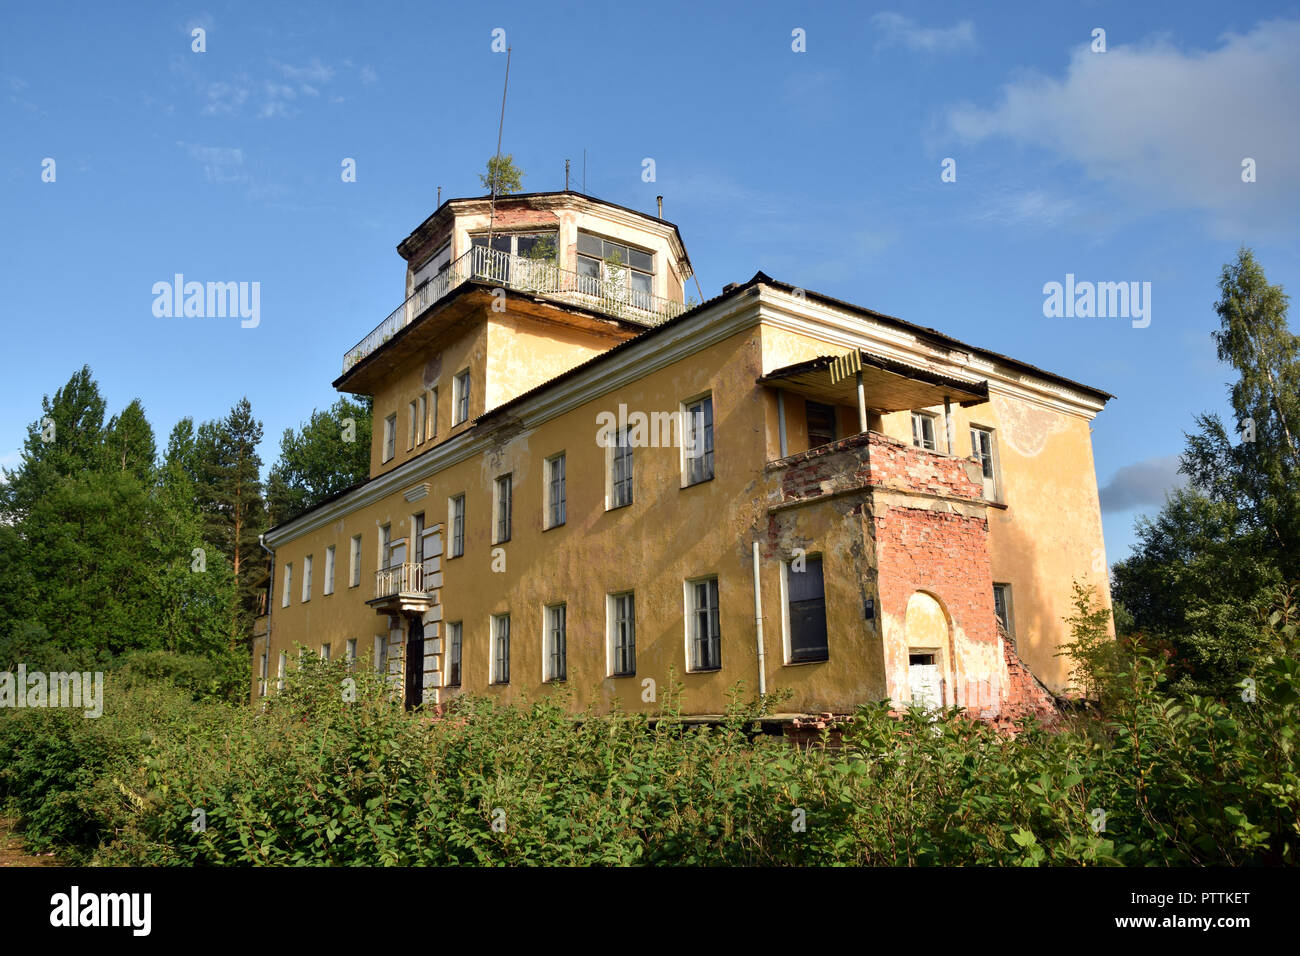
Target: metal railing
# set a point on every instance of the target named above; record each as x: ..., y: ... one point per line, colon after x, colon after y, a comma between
x: 609, y: 293
x: 403, y: 578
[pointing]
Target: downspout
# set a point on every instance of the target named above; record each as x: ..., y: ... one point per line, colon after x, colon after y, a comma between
x: 270, y: 588
x: 758, y: 626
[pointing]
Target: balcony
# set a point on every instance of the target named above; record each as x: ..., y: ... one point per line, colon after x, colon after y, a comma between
x: 543, y: 277
x: 406, y: 588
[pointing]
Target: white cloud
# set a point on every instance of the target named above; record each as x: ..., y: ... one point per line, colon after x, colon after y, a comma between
x: 221, y: 164
x: 896, y: 29
x: 1166, y: 127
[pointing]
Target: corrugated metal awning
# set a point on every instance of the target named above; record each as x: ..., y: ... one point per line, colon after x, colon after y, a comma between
x: 889, y: 386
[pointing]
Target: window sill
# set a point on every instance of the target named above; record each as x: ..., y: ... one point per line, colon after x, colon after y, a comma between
x: 702, y: 481
x: 820, y: 660
x: 553, y: 527
x: 618, y: 676
x: 609, y: 508
x: 704, y: 670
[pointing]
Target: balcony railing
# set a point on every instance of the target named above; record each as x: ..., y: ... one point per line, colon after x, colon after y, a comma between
x: 407, y: 578
x: 609, y: 294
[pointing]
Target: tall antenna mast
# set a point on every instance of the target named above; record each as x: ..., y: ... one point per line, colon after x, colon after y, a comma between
x: 496, y: 166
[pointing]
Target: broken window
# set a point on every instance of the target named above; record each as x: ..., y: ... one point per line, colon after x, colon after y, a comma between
x: 923, y: 431
x: 821, y: 423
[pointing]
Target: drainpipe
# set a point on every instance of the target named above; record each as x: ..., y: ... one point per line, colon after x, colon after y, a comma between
x: 261, y: 540
x: 758, y: 626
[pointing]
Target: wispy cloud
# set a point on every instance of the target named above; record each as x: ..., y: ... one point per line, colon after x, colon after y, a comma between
x: 1142, y: 484
x: 221, y: 164
x: 1167, y: 127
x: 894, y: 29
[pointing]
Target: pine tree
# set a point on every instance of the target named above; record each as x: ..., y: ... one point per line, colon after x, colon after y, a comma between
x: 321, y: 459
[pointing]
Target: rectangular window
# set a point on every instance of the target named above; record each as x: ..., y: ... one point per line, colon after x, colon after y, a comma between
x: 1002, y: 606
x: 555, y: 492
x: 433, y: 413
x: 699, y: 441
x: 279, y: 670
x: 706, y: 640
x: 622, y: 634
x: 923, y: 431
x: 385, y: 546
x: 411, y: 419
x: 821, y: 423
x: 324, y: 652
x: 288, y: 584
x: 460, y: 397
x: 435, y: 265
x: 504, y: 496
x: 626, y: 272
x: 456, y: 518
x: 417, y: 541
x: 329, y: 570
x: 381, y: 653
x: 352, y: 649
x: 554, y: 653
x: 501, y: 648
x: 354, y: 566
x: 306, y: 578
x: 981, y: 443
x: 620, y: 472
x: 453, y: 654
x: 390, y: 437
x: 421, y: 417
x: 806, y: 610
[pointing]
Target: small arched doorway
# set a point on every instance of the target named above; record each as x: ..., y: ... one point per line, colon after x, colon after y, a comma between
x: 926, y: 625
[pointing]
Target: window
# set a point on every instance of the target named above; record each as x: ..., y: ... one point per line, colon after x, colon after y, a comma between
x: 385, y: 546
x: 821, y: 423
x: 629, y: 270
x: 324, y: 652
x: 923, y: 431
x: 354, y: 566
x: 620, y: 476
x: 698, y: 445
x: 553, y: 653
x: 1002, y: 605
x: 706, y: 641
x: 538, y: 246
x: 306, y: 578
x: 456, y: 518
x: 411, y: 419
x: 351, y: 649
x: 390, y: 436
x: 279, y: 670
x: 806, y: 611
x: 421, y: 417
x: 417, y: 540
x: 503, y: 496
x: 432, y: 429
x: 381, y: 653
x: 261, y: 683
x: 622, y: 634
x: 501, y: 648
x: 288, y: 584
x: 436, y: 264
x: 453, y: 654
x: 329, y: 570
x: 981, y: 443
x: 555, y: 494
x: 460, y: 397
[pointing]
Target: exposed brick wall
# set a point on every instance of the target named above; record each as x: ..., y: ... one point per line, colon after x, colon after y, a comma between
x: 1025, y: 695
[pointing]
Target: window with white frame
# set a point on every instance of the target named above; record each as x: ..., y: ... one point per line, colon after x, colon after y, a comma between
x: 390, y: 437
x: 288, y: 584
x: 412, y: 418
x: 351, y: 650
x: 354, y: 562
x: 421, y: 416
x: 306, y: 578
x: 554, y: 652
x: 628, y: 269
x: 385, y: 546
x: 620, y: 471
x: 328, y: 587
x: 805, y: 610
x: 456, y: 518
x: 504, y: 497
x: 698, y: 440
x: 1002, y: 606
x: 705, y: 632
x: 325, y: 652
x: 454, y: 632
x: 460, y: 397
x: 555, y: 491
x: 501, y: 648
x: 621, y: 612
x: 432, y: 430
x: 983, y: 448
x: 923, y: 431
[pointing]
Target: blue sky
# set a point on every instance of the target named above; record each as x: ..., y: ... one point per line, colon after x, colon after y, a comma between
x: 821, y: 168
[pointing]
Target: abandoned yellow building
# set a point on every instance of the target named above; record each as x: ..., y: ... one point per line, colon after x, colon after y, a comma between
x: 577, y: 478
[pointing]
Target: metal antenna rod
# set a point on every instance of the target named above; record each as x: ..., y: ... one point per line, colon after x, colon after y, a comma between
x: 496, y: 168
